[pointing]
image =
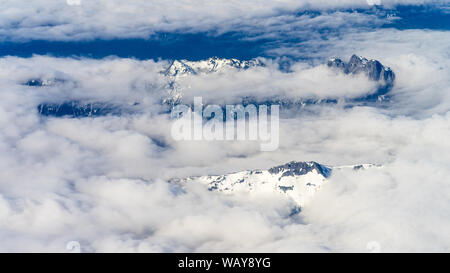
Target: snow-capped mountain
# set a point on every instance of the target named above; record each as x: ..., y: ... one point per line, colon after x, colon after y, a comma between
x: 298, y: 181
x: 183, y: 68
x: 373, y: 69
x: 173, y: 91
x: 180, y: 68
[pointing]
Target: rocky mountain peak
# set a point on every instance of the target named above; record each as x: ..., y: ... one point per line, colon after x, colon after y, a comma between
x: 373, y: 69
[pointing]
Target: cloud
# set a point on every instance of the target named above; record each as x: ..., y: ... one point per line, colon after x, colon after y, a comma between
x: 58, y: 20
x: 101, y: 181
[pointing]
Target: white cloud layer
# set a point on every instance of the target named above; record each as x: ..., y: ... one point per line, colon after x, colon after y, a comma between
x: 102, y: 182
x: 57, y: 20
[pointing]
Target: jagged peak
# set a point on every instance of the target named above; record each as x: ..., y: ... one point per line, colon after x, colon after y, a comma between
x: 295, y: 180
x: 372, y: 68
x: 300, y: 168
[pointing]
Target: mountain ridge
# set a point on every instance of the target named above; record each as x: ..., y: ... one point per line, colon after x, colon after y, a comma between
x: 296, y: 180
x: 78, y: 108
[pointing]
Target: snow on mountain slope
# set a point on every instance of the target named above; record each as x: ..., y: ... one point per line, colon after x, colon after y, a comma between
x: 372, y: 69
x: 214, y: 64
x: 183, y: 68
x: 175, y: 82
x: 298, y: 181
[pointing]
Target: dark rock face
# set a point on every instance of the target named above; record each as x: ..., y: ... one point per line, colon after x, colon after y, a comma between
x: 373, y: 69
x: 77, y: 109
x: 300, y: 168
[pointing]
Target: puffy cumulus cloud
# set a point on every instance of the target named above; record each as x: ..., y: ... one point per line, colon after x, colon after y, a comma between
x: 59, y: 20
x: 123, y: 81
x: 402, y: 207
x: 106, y: 214
x: 111, y: 79
x: 101, y: 181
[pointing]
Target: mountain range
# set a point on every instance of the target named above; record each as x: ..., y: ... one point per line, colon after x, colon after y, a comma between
x: 177, y: 69
x: 296, y: 181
